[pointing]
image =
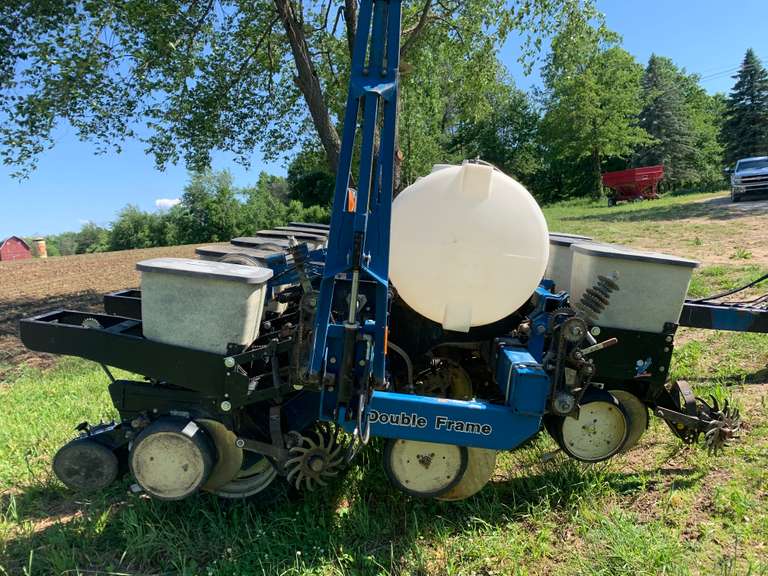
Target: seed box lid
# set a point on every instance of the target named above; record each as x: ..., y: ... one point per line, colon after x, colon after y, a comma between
x: 218, y: 250
x: 624, y: 253
x: 206, y: 269
x: 563, y: 239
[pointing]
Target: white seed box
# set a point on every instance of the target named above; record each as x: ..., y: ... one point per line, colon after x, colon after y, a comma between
x: 652, y: 286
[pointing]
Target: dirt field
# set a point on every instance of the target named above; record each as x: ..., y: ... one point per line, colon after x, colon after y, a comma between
x: 29, y: 287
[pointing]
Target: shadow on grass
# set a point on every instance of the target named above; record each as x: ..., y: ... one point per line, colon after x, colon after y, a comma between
x: 714, y: 209
x: 12, y: 351
x: 759, y: 376
x: 360, y: 524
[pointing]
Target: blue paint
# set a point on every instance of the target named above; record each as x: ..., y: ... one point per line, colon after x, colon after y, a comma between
x: 373, y: 89
x: 473, y: 423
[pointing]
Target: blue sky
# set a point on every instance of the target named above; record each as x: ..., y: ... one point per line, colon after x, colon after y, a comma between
x: 72, y: 185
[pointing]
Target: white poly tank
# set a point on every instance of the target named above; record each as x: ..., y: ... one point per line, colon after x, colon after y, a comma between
x: 469, y: 245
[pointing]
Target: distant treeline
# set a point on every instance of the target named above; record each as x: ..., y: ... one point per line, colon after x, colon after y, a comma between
x: 212, y: 209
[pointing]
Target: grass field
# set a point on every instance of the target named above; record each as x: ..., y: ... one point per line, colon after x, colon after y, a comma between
x: 660, y: 509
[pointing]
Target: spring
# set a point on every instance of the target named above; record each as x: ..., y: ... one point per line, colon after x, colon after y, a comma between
x: 596, y: 299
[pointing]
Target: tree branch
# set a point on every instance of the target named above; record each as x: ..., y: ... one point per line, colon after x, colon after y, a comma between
x: 350, y: 17
x: 308, y: 82
x: 416, y: 30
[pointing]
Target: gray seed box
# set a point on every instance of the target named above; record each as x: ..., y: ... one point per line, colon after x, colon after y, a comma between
x: 200, y: 304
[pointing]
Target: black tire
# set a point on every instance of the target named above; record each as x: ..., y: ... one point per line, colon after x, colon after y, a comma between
x: 85, y: 465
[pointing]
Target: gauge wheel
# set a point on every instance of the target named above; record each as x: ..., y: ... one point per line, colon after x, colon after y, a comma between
x: 598, y: 432
x: 424, y: 469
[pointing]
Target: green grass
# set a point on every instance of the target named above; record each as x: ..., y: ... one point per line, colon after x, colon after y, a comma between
x: 661, y: 509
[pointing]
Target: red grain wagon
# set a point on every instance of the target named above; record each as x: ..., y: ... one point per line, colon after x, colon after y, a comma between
x: 14, y: 248
x: 633, y: 184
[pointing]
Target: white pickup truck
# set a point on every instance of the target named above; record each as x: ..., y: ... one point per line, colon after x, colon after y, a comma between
x: 750, y: 176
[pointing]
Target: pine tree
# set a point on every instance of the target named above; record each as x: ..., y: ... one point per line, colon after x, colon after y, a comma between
x: 745, y: 130
x: 666, y: 118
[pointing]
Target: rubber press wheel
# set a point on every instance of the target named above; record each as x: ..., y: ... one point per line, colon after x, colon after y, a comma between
x: 172, y: 458
x: 481, y: 462
x: 637, y: 414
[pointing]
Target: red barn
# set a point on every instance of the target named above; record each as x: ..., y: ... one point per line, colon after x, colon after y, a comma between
x: 14, y: 248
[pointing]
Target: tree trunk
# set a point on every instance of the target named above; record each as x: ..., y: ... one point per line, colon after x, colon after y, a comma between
x: 350, y: 18
x: 309, y: 84
x: 597, y: 171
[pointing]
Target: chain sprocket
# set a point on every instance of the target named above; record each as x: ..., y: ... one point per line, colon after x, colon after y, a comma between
x: 316, y: 456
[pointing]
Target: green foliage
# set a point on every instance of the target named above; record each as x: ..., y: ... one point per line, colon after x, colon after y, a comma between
x: 202, y: 76
x: 91, y: 238
x: 665, y: 118
x: 745, y: 130
x: 209, y: 210
x: 198, y: 76
x: 507, y: 136
x: 134, y: 228
x: 309, y: 179
x: 594, y: 98
x: 684, y: 122
x: 64, y: 244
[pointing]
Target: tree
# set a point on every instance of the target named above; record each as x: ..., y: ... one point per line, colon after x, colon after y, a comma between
x: 209, y: 209
x: 91, y: 238
x: 507, y: 137
x: 666, y: 117
x: 189, y: 77
x: 593, y: 97
x: 132, y: 229
x: 309, y: 179
x: 745, y: 130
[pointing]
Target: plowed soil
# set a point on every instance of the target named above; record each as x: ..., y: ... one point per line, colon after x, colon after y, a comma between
x: 29, y: 287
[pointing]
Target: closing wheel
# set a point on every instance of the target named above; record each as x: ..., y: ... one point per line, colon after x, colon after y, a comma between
x: 598, y: 432
x: 256, y: 474
x: 637, y: 415
x: 229, y: 457
x: 84, y: 465
x: 424, y: 469
x: 481, y: 462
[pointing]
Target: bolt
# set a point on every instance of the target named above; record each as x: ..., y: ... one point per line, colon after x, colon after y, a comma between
x: 316, y: 464
x: 540, y: 329
x: 229, y: 362
x: 362, y: 363
x: 240, y: 443
x: 668, y: 338
x: 595, y: 331
x: 661, y: 368
x: 226, y: 406
x: 666, y: 348
x: 332, y: 360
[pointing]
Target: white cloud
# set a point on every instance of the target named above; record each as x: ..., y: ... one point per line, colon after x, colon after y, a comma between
x: 164, y: 203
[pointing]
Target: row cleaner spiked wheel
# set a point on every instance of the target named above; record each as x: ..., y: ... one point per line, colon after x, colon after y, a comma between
x: 316, y: 456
